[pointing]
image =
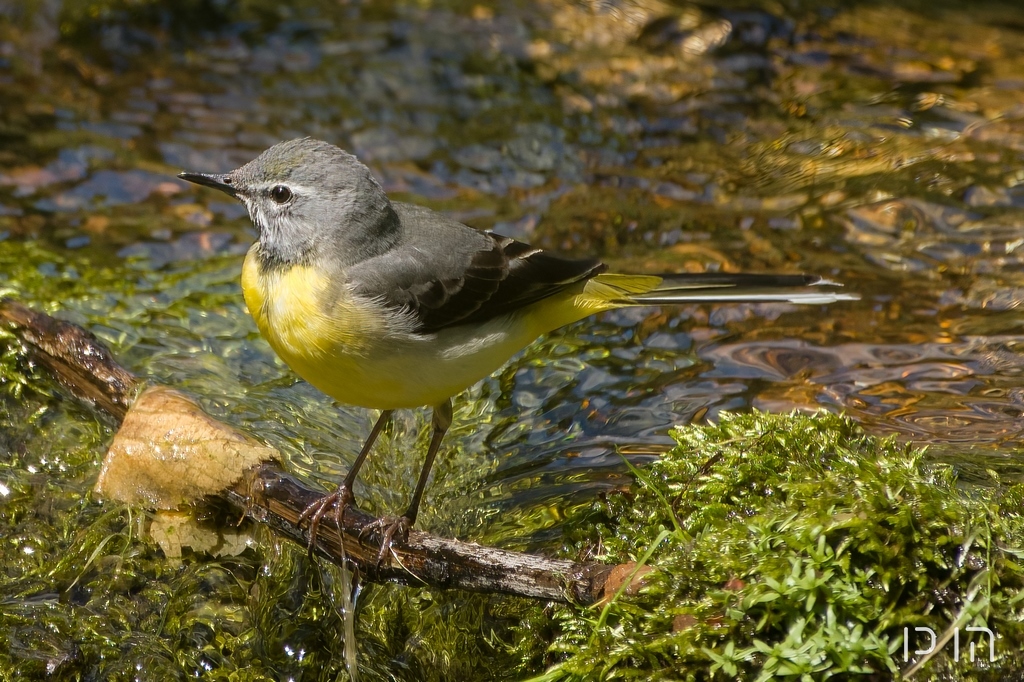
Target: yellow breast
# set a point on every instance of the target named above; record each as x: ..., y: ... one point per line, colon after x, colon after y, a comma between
x: 309, y: 320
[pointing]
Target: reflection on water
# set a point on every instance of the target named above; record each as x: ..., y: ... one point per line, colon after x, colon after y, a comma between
x: 951, y: 393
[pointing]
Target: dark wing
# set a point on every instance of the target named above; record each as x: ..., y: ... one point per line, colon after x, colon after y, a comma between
x: 509, y: 276
x: 497, y: 275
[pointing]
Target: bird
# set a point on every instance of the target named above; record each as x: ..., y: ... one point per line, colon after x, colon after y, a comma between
x: 389, y: 305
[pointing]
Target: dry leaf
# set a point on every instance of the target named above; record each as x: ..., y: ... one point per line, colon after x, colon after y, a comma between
x: 621, y: 574
x: 168, y: 452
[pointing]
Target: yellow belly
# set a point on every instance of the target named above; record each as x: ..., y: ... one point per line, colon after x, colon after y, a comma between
x: 350, y: 350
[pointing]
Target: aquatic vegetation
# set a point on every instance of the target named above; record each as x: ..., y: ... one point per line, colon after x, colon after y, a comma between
x: 796, y: 545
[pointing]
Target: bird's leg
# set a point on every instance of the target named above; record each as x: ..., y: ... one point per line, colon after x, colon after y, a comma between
x: 399, y: 527
x: 342, y: 497
x: 442, y: 420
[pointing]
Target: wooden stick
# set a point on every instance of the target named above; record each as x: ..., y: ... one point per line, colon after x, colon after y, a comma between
x: 86, y: 368
x: 75, y: 357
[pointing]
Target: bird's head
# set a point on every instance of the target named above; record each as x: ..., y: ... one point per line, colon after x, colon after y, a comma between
x: 309, y: 199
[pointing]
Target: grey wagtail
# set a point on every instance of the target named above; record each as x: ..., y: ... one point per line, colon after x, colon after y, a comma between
x: 388, y: 305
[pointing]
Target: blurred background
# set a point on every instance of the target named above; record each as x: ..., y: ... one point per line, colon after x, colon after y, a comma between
x: 878, y: 144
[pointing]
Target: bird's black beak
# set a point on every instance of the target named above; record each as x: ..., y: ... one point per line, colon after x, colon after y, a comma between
x: 221, y: 181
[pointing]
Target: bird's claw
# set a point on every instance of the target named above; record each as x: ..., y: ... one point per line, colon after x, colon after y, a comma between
x: 315, y: 512
x: 390, y: 528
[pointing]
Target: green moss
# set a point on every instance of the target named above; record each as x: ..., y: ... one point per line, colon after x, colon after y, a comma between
x: 795, y: 545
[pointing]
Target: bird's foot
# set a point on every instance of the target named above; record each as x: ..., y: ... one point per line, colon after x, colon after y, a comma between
x: 315, y: 512
x: 390, y: 528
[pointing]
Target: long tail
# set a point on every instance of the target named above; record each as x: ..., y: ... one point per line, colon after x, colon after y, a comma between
x: 620, y: 290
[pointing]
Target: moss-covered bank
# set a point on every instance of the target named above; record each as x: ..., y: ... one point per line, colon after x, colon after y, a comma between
x: 798, y: 545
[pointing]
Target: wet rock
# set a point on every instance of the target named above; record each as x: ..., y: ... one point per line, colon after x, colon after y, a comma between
x: 479, y: 157
x: 71, y: 164
x: 190, y: 246
x: 673, y: 191
x: 385, y: 144
x: 537, y: 153
x: 979, y: 195
x: 607, y: 22
x: 107, y: 188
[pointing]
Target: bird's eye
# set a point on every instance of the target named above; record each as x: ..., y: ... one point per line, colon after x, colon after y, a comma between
x: 281, y: 194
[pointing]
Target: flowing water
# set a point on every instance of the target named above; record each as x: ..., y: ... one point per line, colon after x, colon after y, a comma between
x: 876, y: 144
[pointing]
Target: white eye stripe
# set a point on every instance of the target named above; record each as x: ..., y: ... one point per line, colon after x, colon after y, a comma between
x: 296, y: 190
